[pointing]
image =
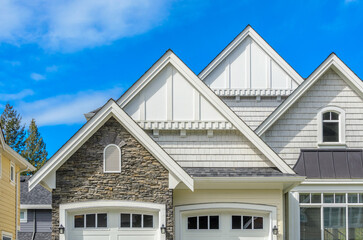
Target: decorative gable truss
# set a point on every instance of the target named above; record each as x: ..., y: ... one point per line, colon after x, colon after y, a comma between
x: 249, y: 66
x: 170, y: 96
x: 47, y: 174
x: 332, y: 62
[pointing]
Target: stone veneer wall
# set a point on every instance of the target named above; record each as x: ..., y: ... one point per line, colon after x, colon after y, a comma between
x: 142, y: 177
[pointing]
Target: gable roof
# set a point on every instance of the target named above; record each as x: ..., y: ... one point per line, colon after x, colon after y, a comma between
x: 170, y: 58
x: 22, y: 162
x: 250, y: 32
x: 110, y: 109
x: 332, y: 62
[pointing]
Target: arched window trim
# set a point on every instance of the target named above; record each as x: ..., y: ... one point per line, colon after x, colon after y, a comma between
x: 341, y: 113
x: 104, y: 159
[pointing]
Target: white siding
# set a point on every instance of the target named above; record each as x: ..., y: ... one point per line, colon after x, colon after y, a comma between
x: 224, y: 149
x: 297, y: 128
x: 248, y: 66
x: 251, y: 111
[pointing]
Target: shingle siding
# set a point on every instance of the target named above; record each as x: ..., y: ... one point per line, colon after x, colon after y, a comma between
x: 224, y: 149
x: 251, y: 111
x: 297, y: 128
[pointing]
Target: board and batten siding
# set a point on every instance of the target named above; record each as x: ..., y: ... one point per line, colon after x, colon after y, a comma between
x: 251, y: 111
x: 270, y: 197
x: 298, y: 128
x: 223, y: 149
x: 43, y: 221
x: 7, y: 198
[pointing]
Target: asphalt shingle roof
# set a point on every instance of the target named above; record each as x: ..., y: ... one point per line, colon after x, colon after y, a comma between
x: 39, y: 195
x: 235, y: 172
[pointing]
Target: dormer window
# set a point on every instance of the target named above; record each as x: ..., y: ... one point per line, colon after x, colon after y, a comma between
x: 112, y: 159
x: 331, y: 126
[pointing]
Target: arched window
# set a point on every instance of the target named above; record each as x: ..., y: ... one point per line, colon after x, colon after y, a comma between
x: 112, y: 159
x: 332, y: 125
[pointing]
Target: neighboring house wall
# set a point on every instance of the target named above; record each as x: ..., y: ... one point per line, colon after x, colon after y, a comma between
x: 8, y: 198
x: 268, y: 197
x: 43, y: 221
x: 142, y: 177
x: 298, y: 129
x: 223, y: 149
x: 253, y: 111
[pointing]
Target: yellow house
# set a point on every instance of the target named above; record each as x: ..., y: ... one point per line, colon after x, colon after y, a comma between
x: 11, y: 165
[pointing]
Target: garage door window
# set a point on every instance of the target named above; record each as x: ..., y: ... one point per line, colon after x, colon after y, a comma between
x: 203, y: 222
x: 247, y: 222
x: 93, y: 220
x: 136, y: 220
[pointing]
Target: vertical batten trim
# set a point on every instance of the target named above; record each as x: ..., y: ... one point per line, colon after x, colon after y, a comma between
x: 268, y: 72
x: 227, y: 74
x: 248, y: 64
x: 169, y: 95
x: 197, y: 106
x: 142, y: 107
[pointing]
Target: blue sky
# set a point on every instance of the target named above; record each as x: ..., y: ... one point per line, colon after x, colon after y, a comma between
x: 60, y: 59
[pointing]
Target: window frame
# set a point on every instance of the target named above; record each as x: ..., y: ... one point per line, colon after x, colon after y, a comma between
x: 253, y: 223
x: 12, y: 170
x: 142, y: 228
x: 208, y: 217
x: 7, y: 235
x: 25, y: 219
x: 341, y: 126
x: 322, y: 205
x: 104, y: 158
x: 85, y: 221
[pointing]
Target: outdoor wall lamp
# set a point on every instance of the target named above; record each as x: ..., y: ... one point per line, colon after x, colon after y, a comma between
x: 275, y: 230
x: 61, y: 229
x: 163, y: 229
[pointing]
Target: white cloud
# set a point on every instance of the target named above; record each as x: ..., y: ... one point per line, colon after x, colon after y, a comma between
x: 65, y: 109
x: 5, y: 97
x: 51, y: 68
x: 37, y: 76
x: 71, y: 25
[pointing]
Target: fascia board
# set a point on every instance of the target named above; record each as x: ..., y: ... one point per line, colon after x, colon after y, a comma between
x: 331, y: 62
x: 110, y: 109
x: 230, y: 115
x: 250, y: 32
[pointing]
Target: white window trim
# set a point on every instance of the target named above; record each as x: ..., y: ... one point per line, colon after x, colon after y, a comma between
x: 341, y: 113
x: 104, y: 159
x: 25, y: 219
x: 6, y: 234
x: 12, y: 166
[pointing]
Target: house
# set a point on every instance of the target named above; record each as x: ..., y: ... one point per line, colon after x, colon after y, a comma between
x: 35, y: 212
x: 11, y: 165
x: 247, y: 149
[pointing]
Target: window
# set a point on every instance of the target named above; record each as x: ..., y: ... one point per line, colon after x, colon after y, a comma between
x: 203, y: 222
x: 331, y: 125
x: 12, y: 172
x: 6, y: 236
x: 91, y: 220
x: 23, y: 215
x: 247, y: 222
x: 112, y: 159
x: 129, y: 220
x: 331, y: 216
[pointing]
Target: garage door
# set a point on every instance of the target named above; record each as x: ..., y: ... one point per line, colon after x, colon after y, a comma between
x: 225, y: 224
x: 112, y: 224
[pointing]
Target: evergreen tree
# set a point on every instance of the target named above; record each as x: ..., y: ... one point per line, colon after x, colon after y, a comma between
x: 14, y: 133
x: 35, y: 149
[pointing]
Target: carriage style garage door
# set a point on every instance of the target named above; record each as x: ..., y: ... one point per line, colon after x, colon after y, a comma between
x: 112, y: 220
x: 226, y: 223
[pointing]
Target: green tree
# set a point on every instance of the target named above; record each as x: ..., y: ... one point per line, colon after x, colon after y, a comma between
x: 14, y: 133
x: 35, y: 149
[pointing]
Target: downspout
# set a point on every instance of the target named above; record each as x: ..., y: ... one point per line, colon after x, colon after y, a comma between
x: 34, y: 224
x: 16, y: 200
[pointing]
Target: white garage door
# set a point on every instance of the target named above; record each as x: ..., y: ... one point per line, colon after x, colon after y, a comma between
x: 225, y: 225
x: 112, y: 224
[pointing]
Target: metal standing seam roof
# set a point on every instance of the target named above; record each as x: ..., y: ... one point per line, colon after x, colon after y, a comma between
x: 330, y: 163
x: 235, y: 172
x: 39, y: 195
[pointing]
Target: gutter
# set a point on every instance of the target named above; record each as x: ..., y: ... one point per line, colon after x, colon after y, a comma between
x: 34, y: 224
x: 17, y: 185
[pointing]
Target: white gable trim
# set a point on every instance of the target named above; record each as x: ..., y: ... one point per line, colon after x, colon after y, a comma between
x: 111, y: 109
x: 249, y: 31
x: 170, y: 58
x: 21, y: 162
x: 331, y: 62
